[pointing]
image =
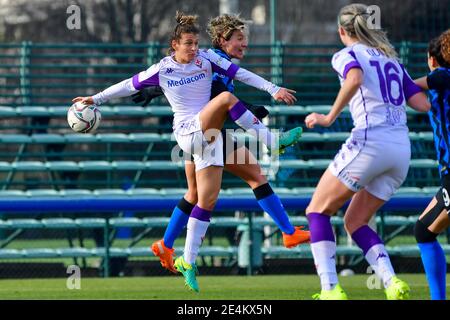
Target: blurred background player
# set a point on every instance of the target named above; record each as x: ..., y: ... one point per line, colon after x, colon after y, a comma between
x: 185, y: 78
x: 435, y: 218
x: 229, y: 39
x: 373, y: 162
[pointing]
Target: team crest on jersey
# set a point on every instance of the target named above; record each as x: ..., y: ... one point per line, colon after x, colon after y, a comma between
x: 255, y: 120
x: 198, y: 62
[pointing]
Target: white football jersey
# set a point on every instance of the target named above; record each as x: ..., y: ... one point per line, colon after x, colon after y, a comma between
x: 188, y: 86
x: 386, y: 86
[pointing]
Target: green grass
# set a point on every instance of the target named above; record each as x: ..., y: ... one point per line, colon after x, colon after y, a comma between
x: 273, y: 287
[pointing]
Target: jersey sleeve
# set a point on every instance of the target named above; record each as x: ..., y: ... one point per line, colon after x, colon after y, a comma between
x: 147, y: 78
x: 129, y: 86
x: 122, y: 89
x: 220, y: 64
x: 343, y: 61
x: 256, y: 81
x: 409, y: 87
x: 439, y: 80
x: 229, y: 69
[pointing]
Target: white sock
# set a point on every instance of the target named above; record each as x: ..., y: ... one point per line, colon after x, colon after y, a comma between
x: 324, y: 253
x: 256, y: 128
x: 378, y: 259
x: 196, y: 230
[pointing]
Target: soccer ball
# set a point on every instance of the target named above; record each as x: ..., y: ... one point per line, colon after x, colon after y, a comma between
x: 84, y: 118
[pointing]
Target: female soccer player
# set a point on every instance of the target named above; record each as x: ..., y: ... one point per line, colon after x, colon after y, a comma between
x: 185, y: 77
x: 229, y: 39
x: 374, y: 161
x: 435, y: 218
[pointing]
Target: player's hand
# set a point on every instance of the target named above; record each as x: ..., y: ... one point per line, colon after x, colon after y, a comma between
x: 146, y: 95
x: 285, y: 95
x: 84, y: 100
x: 314, y: 119
x: 141, y: 97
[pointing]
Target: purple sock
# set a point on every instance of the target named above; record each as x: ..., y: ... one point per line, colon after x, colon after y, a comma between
x: 320, y: 227
x: 200, y: 214
x: 366, y: 238
x: 237, y: 111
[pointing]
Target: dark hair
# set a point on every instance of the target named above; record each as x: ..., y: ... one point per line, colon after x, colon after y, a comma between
x: 435, y: 51
x: 185, y: 24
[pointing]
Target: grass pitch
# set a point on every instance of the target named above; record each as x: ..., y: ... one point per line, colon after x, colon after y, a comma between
x: 262, y: 287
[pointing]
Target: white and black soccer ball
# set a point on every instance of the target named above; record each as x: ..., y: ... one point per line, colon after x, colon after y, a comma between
x: 84, y: 118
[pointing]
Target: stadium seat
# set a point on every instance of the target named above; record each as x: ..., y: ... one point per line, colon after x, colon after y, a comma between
x: 29, y: 166
x: 59, y: 223
x: 12, y: 194
x: 156, y: 222
x: 129, y: 165
x: 76, y: 193
x: 39, y: 253
x: 10, y: 254
x: 74, y: 253
x: 47, y: 138
x: 24, y: 223
x: 89, y: 223
x: 127, y: 222
x: 15, y: 138
x: 80, y: 138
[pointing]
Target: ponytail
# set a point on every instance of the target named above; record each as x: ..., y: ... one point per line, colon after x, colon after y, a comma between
x: 353, y: 19
x: 185, y: 24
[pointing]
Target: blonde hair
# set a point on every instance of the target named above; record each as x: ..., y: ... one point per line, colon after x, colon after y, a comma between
x: 444, y: 39
x: 223, y: 27
x: 353, y: 19
x: 185, y: 24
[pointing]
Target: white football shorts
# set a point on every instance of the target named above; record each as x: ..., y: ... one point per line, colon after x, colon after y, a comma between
x: 376, y: 159
x: 193, y: 141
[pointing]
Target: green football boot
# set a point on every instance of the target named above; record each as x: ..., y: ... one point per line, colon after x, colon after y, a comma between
x: 398, y: 290
x: 287, y: 139
x: 336, y: 294
x: 189, y: 272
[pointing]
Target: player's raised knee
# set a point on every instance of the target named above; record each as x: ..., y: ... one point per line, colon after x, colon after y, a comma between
x: 227, y: 98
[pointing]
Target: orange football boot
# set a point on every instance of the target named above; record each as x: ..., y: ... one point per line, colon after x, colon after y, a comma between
x: 298, y: 237
x: 165, y: 255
